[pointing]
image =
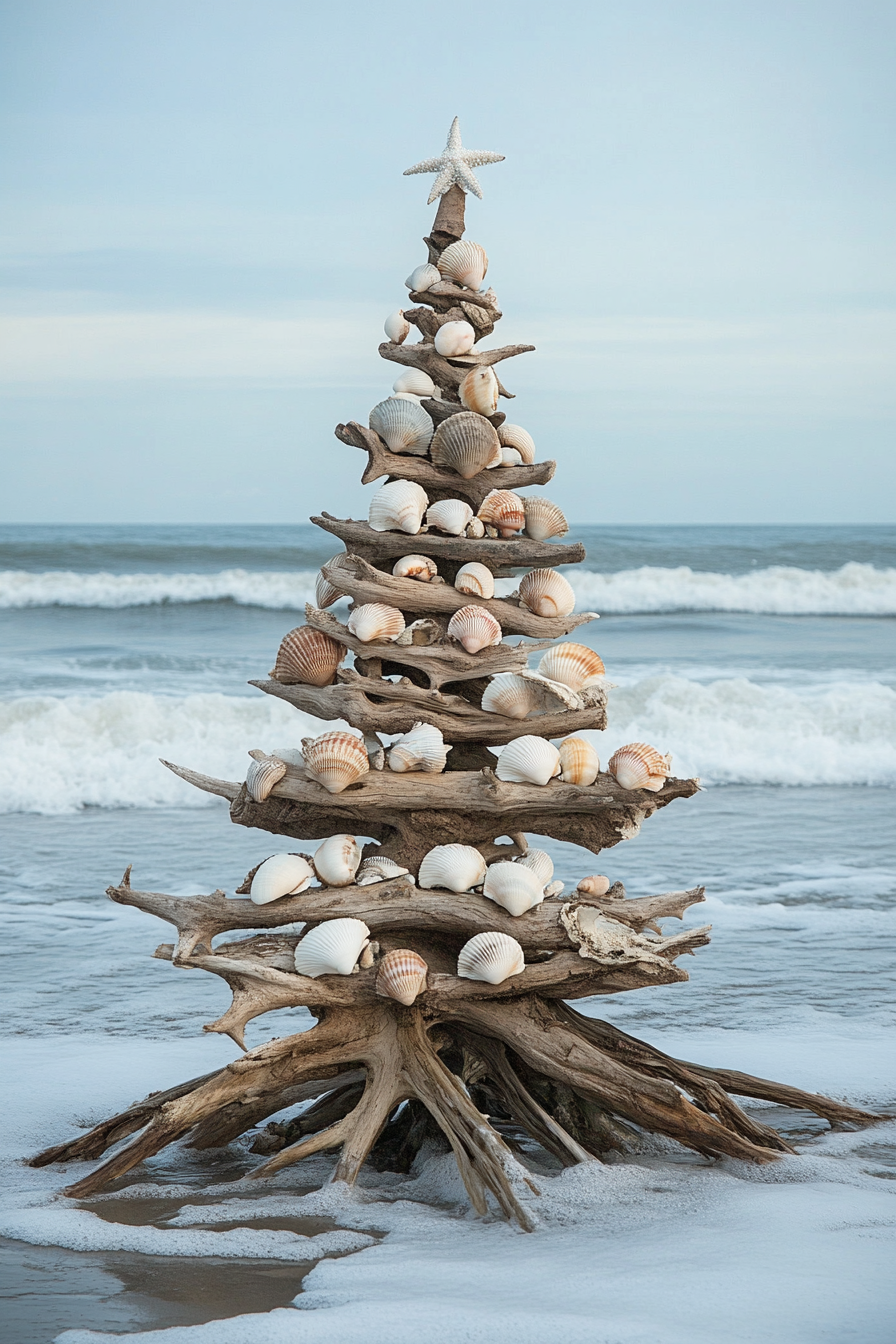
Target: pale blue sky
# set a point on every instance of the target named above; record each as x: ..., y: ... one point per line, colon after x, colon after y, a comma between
x: 205, y: 223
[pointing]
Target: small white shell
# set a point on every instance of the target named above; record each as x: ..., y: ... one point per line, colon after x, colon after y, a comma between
x: 423, y: 748
x: 547, y: 593
x: 544, y: 519
x: 336, y: 860
x: 528, y: 760
x: 380, y: 869
x: 332, y: 948
x: 474, y: 628
x: 397, y: 327
x: 403, y: 425
x: 575, y: 665
x: 475, y: 528
x: 510, y: 458
x: 335, y: 759
x: 476, y: 579
x: 423, y: 278
x: 465, y: 263
x: 514, y: 436
x: 398, y: 506
x: 375, y: 623
x: 510, y: 695
x: 415, y: 382
x: 454, y: 338
x: 449, y: 515
x: 263, y: 773
x: 280, y: 875
x: 418, y: 567
x: 455, y: 867
x: 597, y: 885
x: 492, y: 957
x: 639, y: 766
x: 540, y: 862
x: 515, y: 888
x: 579, y: 762
x: 478, y: 390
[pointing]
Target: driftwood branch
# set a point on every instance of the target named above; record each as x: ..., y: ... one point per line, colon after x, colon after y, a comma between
x: 523, y: 553
x: 447, y: 373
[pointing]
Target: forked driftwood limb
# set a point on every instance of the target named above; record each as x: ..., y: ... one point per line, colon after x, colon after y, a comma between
x: 449, y: 373
x: 361, y: 539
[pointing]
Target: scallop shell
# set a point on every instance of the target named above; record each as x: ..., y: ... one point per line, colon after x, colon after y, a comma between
x: 639, y: 766
x: 326, y: 593
x: 401, y: 975
x: 465, y: 263
x: 598, y: 885
x: 335, y: 759
x: 336, y: 860
x: 474, y: 628
x: 579, y: 762
x: 455, y: 867
x: 332, y: 948
x: 263, y: 773
x: 479, y: 391
x: 415, y: 382
x: 398, y: 506
x: 544, y: 519
x: 403, y: 425
x: 423, y: 748
x: 475, y: 528
x: 504, y: 510
x: 397, y: 327
x: 510, y: 695
x: 280, y: 875
x: 510, y: 458
x: 547, y: 593
x: 415, y: 567
x: 514, y: 436
x: 492, y: 957
x: 449, y: 515
x: 307, y: 657
x: 528, y: 760
x: 575, y: 665
x: 475, y: 579
x: 380, y: 869
x: 455, y: 338
x: 375, y: 623
x: 466, y: 443
x: 423, y: 278
x: 541, y: 864
x: 513, y: 887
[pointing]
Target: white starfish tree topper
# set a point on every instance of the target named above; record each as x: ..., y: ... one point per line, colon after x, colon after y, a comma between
x: 454, y: 166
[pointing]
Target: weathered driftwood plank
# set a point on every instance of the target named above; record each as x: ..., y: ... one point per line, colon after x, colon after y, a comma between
x: 361, y: 539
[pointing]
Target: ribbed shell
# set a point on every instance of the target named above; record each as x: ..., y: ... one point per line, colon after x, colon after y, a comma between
x: 403, y: 425
x: 476, y: 579
x: 528, y: 760
x: 474, y: 628
x: 465, y: 263
x: 454, y: 867
x: 325, y: 593
x: 544, y: 519
x: 575, y: 665
x: 423, y: 748
x: 280, y: 875
x: 449, y: 515
x: 478, y: 391
x: 423, y: 278
x: 455, y: 338
x: 598, y: 885
x: 492, y: 957
x: 398, y: 506
x: 375, y: 623
x: 466, y: 443
x: 504, y: 510
x: 510, y: 695
x: 335, y: 759
x: 639, y: 766
x: 514, y: 436
x: 380, y: 869
x: 541, y: 864
x: 333, y: 948
x: 515, y: 888
x: 336, y: 860
x: 263, y: 775
x: 415, y: 382
x: 579, y: 762
x: 401, y: 975
x: 397, y: 327
x: 418, y: 567
x: 307, y: 657
x: 547, y: 593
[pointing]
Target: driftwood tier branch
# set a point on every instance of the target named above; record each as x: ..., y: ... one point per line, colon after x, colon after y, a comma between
x: 475, y: 1060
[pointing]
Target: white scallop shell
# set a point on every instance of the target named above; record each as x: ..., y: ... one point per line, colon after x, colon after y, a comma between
x: 514, y: 436
x: 415, y: 382
x: 423, y: 278
x: 474, y: 628
x: 398, y: 506
x: 465, y: 263
x: 510, y: 457
x: 403, y: 425
x: 455, y: 338
x: 263, y: 773
x: 335, y: 759
x: 378, y: 868
x: 579, y: 762
x: 332, y: 948
x: 510, y: 695
x: 455, y: 867
x: 418, y: 567
x: 375, y: 623
x: 478, y: 390
x: 397, y: 327
x: 514, y: 887
x: 547, y: 593
x: 575, y: 665
x: 336, y: 860
x: 528, y: 760
x: 544, y: 519
x: 639, y: 766
x: 476, y: 579
x: 597, y: 885
x: 423, y: 748
x: 280, y: 875
x: 492, y: 957
x: 540, y: 862
x: 449, y: 515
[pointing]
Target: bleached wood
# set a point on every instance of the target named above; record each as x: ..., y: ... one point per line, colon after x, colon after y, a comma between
x: 522, y: 553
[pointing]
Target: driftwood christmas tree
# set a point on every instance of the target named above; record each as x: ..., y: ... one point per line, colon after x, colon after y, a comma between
x: 442, y: 1010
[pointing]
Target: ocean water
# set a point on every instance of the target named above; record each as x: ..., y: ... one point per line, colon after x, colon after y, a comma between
x: 764, y: 659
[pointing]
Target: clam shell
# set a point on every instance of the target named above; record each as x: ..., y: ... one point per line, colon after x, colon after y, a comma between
x: 415, y: 382
x: 575, y: 665
x: 479, y: 391
x: 380, y: 869
x: 540, y: 862
x: 403, y: 425
x: 423, y: 748
x: 513, y: 887
x: 262, y: 775
x: 579, y: 762
x: 504, y: 510
x: 510, y: 458
x: 547, y: 593
x: 492, y: 957
x: 465, y: 263
x: 528, y: 760
x: 415, y: 567
x: 455, y: 867
x: 401, y: 975
x: 335, y: 759
x: 510, y: 695
x: 466, y: 443
x: 639, y: 766
x: 553, y: 889
x: 280, y: 875
x: 332, y: 948
x: 397, y: 327
x: 423, y: 278
x: 454, y: 338
x: 398, y: 506
x: 336, y: 860
x: 474, y: 628
x: 325, y: 593
x: 598, y: 885
x: 475, y: 528
x: 476, y: 579
x: 375, y: 623
x: 449, y: 515
x: 544, y: 519
x: 307, y: 657
x: 514, y: 436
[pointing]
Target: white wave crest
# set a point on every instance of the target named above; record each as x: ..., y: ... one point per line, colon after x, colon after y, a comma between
x: 280, y: 590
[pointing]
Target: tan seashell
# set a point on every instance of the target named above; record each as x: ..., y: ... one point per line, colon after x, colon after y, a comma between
x: 454, y: 867
x: 510, y: 458
x: 639, y: 766
x: 465, y: 263
x: 598, y: 885
x: 492, y: 957
x: 579, y: 762
x: 375, y: 623
x: 401, y: 975
x: 514, y: 436
x: 504, y: 510
x: 455, y: 338
x: 547, y: 593
x: 332, y: 948
x: 263, y: 773
x: 335, y: 759
x: 380, y: 869
x: 479, y: 391
x: 423, y: 278
x: 423, y: 748
x: 510, y: 695
x: 540, y: 862
x: 418, y: 567
x: 397, y: 327
x: 336, y: 860
x: 449, y: 515
x: 528, y: 760
x: 476, y: 579
x: 403, y: 425
x: 398, y: 506
x: 421, y: 633
x: 280, y: 875
x: 325, y: 593
x: 465, y: 443
x: 415, y: 383
x: 515, y: 888
x: 544, y: 519
x: 474, y: 628
x: 475, y: 528
x: 575, y: 665
x: 307, y: 657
